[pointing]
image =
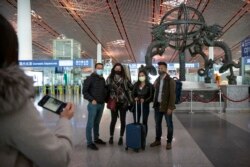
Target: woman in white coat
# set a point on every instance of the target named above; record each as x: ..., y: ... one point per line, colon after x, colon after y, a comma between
x: 24, y: 139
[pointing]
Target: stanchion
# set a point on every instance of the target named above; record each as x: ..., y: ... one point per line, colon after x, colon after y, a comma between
x: 220, y: 112
x: 191, y: 102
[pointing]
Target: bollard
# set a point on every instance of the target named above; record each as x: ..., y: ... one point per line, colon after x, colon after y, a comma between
x: 191, y: 102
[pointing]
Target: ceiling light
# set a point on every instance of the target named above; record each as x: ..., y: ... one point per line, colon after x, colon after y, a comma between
x: 84, y: 7
x: 118, y: 42
x: 35, y: 15
x: 61, y: 36
x: 173, y: 3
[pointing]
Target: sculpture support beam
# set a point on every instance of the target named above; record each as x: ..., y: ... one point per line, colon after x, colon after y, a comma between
x: 182, y: 63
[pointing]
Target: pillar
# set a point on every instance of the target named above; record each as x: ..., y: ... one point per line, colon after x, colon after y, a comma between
x: 99, y: 53
x: 211, y: 56
x: 24, y: 30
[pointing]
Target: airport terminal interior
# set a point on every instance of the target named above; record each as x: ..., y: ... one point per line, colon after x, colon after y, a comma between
x: 205, y: 43
x: 201, y: 139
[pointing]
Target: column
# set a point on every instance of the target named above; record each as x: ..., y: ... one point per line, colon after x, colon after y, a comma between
x: 211, y: 56
x: 24, y: 30
x: 99, y: 53
x: 211, y: 52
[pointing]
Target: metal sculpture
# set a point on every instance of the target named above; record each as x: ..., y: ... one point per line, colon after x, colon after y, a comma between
x: 184, y: 28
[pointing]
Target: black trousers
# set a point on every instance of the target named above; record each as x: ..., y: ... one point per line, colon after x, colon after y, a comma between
x: 145, y: 114
x: 120, y: 111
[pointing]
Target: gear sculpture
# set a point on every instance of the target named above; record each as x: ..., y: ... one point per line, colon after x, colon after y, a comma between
x: 184, y: 28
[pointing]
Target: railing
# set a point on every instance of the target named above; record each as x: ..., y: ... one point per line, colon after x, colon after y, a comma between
x: 197, y: 98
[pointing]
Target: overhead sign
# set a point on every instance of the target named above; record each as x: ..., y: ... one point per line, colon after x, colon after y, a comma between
x: 65, y: 63
x: 177, y: 65
x: 38, y: 63
x: 247, y: 60
x: 56, y: 63
x: 83, y: 63
x: 245, y: 47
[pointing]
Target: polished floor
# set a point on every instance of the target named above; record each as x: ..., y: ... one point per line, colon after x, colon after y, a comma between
x: 202, y: 139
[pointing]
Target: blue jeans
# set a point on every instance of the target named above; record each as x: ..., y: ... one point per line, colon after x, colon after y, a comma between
x: 94, y: 118
x: 158, y: 122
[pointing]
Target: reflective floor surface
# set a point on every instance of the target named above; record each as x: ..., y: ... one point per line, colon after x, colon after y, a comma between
x: 202, y: 139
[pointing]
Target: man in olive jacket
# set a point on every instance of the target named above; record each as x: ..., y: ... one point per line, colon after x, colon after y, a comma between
x: 164, y: 104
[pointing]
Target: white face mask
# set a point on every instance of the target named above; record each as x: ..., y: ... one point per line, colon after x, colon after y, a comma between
x: 143, y: 78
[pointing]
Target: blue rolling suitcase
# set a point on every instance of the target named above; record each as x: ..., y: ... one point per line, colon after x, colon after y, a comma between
x: 136, y: 134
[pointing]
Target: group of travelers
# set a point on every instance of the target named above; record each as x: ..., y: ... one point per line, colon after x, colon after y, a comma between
x: 26, y: 141
x: 119, y: 87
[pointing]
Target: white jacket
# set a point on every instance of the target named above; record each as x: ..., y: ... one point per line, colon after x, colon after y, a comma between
x: 24, y: 139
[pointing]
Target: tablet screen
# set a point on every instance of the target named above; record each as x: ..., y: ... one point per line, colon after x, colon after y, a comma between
x: 52, y: 104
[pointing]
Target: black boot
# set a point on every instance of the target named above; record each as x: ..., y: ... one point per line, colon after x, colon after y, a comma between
x: 120, y: 142
x: 111, y: 141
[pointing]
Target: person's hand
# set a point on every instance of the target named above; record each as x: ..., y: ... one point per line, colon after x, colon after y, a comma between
x: 169, y: 112
x: 136, y: 99
x: 68, y: 111
x: 94, y: 102
x: 142, y: 100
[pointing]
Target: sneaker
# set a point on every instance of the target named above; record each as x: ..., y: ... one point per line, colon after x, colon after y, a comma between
x: 120, y: 142
x: 92, y: 146
x: 111, y: 141
x: 100, y: 141
x: 168, y: 146
x: 155, y: 143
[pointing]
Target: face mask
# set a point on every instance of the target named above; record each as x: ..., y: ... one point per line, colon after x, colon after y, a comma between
x: 118, y: 72
x: 99, y: 72
x: 143, y: 78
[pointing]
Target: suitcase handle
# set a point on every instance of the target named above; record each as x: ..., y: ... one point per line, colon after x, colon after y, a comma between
x: 136, y: 112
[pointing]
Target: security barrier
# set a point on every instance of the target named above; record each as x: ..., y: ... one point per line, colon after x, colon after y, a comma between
x: 61, y: 89
x: 194, y: 97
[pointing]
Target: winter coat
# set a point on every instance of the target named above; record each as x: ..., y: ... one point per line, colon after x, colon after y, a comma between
x: 25, y: 141
x: 145, y: 93
x: 94, y: 88
x: 168, y: 93
x: 120, y: 89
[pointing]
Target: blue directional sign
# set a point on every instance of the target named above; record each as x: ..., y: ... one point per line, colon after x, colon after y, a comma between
x: 247, y: 60
x: 245, y: 47
x: 38, y: 63
x: 83, y: 63
x: 56, y: 63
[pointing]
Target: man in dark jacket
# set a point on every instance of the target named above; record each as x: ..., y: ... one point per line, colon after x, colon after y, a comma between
x: 164, y: 104
x: 94, y: 90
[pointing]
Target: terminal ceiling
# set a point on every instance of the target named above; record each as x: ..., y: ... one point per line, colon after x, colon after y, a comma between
x: 123, y: 27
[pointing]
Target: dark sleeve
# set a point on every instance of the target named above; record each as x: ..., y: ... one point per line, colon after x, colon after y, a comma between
x: 172, y: 94
x: 85, y: 90
x: 108, y: 85
x: 151, y: 93
x: 107, y: 91
x: 130, y: 85
x: 134, y: 92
